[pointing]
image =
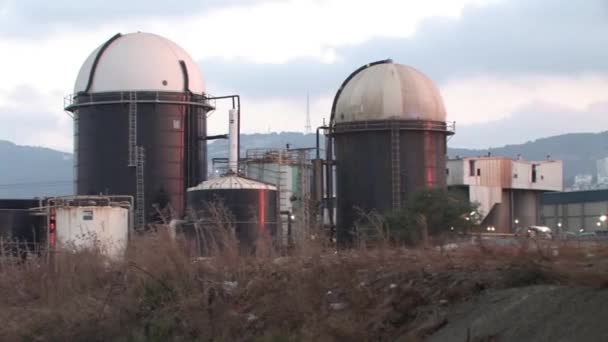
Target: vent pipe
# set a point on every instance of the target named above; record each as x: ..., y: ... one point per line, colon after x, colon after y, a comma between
x: 233, y: 131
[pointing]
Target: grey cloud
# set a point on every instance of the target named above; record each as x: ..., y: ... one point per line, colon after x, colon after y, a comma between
x: 532, y: 121
x: 517, y: 36
x: 511, y: 37
x: 25, y: 125
x: 33, y: 18
x: 293, y: 79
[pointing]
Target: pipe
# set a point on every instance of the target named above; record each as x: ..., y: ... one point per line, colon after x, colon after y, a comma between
x: 329, y: 176
x: 233, y: 136
x: 238, y: 107
x: 238, y: 126
x: 318, y: 165
x: 318, y: 143
x: 215, y: 137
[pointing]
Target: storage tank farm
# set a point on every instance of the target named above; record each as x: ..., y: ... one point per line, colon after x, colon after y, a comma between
x: 389, y: 131
x: 139, y: 109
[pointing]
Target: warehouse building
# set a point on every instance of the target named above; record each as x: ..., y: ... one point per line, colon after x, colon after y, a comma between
x: 575, y: 211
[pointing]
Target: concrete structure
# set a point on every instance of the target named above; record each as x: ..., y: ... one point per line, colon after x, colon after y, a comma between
x: 575, y: 211
x: 508, y: 191
x: 388, y: 127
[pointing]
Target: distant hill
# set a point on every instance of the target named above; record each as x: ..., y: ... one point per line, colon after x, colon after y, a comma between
x: 27, y: 171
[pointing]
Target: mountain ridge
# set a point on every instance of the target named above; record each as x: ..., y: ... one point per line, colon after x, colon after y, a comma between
x: 29, y: 171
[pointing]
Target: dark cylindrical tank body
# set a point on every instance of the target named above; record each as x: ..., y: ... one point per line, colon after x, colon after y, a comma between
x: 252, y: 206
x: 364, y: 170
x: 389, y: 136
x: 18, y: 225
x: 139, y: 108
x: 171, y: 135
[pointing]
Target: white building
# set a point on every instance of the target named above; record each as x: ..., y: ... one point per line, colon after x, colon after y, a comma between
x: 582, y: 182
x: 507, y: 191
x: 602, y: 173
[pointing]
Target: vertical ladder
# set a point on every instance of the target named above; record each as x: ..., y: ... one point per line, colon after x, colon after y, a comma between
x: 284, y: 202
x: 304, y: 195
x: 140, y: 205
x: 133, y: 129
x: 137, y: 161
x: 395, y: 166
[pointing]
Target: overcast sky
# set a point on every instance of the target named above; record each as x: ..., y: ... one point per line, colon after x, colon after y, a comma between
x: 508, y: 70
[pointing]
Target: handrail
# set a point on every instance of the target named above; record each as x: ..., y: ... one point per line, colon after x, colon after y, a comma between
x: 446, y: 127
x: 74, y: 101
x: 282, y: 156
x: 98, y: 200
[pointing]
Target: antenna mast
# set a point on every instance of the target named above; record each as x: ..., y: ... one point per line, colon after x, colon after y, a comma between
x: 308, y: 128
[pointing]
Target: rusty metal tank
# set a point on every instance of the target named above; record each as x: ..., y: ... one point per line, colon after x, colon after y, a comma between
x: 389, y: 129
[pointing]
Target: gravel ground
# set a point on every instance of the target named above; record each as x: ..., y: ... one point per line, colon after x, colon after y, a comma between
x: 533, y: 313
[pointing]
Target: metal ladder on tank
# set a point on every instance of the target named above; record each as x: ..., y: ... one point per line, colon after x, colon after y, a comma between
x: 304, y: 195
x: 140, y: 204
x: 283, y: 199
x: 132, y: 129
x: 137, y: 161
x: 395, y: 166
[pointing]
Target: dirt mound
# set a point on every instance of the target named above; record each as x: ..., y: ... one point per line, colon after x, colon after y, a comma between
x: 533, y: 313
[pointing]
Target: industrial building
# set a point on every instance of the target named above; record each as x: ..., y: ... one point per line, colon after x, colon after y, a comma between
x: 508, y: 191
x: 575, y: 211
x: 388, y: 128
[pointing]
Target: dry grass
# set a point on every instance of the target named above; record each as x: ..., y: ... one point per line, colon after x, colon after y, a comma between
x: 163, y: 292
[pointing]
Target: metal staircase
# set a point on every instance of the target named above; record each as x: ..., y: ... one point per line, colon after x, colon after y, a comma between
x: 395, y: 167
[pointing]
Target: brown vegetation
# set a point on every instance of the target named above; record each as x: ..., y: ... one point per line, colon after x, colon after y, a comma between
x: 163, y: 292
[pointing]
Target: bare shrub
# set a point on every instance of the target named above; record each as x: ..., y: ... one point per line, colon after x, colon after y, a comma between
x: 163, y: 289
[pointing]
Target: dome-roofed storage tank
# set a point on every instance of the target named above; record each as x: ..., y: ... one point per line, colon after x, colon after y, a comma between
x: 388, y: 125
x: 139, y: 108
x: 251, y: 204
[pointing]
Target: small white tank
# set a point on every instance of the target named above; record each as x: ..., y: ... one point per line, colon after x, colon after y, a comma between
x: 102, y: 227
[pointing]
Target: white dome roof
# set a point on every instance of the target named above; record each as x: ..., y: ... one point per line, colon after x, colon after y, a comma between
x: 232, y: 183
x: 389, y: 91
x: 139, y: 62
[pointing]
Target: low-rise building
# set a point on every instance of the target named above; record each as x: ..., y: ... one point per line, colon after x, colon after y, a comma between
x: 507, y: 191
